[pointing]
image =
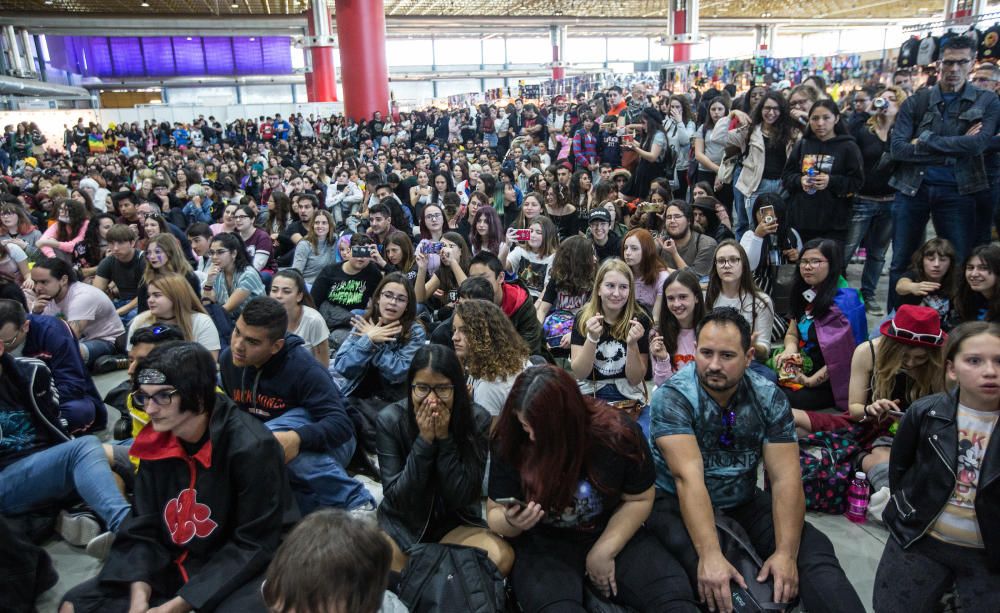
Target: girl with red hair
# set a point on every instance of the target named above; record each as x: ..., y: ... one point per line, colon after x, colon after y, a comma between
x: 571, y: 483
x: 640, y: 253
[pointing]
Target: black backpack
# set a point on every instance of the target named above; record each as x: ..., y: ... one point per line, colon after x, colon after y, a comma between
x: 451, y: 579
x: 738, y: 550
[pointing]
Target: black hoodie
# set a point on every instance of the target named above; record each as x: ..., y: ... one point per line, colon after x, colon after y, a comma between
x: 291, y: 379
x: 828, y: 209
x: 210, y: 521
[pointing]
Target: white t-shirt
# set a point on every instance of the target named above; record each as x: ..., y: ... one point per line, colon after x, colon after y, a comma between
x: 10, y: 265
x: 203, y: 330
x: 492, y: 395
x: 765, y: 313
x: 312, y: 327
x: 84, y: 302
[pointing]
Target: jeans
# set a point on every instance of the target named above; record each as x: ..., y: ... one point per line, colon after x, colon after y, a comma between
x: 320, y: 479
x: 743, y: 205
x: 54, y: 474
x: 823, y: 586
x: 955, y: 217
x: 127, y: 317
x: 94, y: 349
x: 913, y: 580
x: 871, y: 226
x: 548, y: 574
x: 83, y: 414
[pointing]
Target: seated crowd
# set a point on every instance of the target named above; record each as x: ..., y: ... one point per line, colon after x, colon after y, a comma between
x: 566, y: 365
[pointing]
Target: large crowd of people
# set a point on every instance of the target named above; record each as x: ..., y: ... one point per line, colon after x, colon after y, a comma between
x: 566, y: 333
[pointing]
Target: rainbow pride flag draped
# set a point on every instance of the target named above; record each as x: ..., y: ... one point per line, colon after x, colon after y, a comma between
x: 95, y: 143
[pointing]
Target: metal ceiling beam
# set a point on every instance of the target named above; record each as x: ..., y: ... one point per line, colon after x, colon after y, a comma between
x: 76, y: 24
x: 29, y: 87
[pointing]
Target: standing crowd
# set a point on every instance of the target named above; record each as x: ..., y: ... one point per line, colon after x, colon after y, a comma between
x: 565, y: 335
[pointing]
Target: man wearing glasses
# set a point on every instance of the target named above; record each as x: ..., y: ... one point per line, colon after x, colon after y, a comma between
x: 938, y: 143
x: 711, y: 424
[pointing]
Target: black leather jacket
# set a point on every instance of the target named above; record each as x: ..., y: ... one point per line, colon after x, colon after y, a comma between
x: 922, y: 474
x: 416, y: 475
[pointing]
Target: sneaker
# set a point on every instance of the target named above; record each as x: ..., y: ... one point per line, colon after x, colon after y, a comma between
x: 877, y: 504
x: 100, y: 546
x: 874, y: 308
x: 365, y: 512
x: 109, y: 363
x: 78, y: 529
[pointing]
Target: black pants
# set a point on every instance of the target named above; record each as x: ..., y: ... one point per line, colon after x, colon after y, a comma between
x: 811, y: 398
x: 823, y: 586
x: 94, y: 597
x: 913, y: 580
x: 548, y: 575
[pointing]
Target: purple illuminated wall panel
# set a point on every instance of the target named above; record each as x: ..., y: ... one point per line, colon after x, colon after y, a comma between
x: 159, y: 54
x: 219, y: 55
x: 165, y: 57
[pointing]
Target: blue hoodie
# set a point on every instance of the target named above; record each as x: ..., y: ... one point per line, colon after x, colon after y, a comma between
x: 291, y: 379
x: 51, y: 341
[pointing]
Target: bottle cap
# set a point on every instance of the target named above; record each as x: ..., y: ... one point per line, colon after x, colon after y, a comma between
x: 860, y: 475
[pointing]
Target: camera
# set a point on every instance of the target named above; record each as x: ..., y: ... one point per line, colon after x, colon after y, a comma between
x: 522, y: 236
x: 651, y: 207
x: 880, y: 104
x: 432, y: 248
x: 360, y: 251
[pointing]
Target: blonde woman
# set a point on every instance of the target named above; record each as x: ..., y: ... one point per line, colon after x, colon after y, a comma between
x: 491, y: 351
x: 609, y: 349
x: 164, y: 257
x: 172, y: 301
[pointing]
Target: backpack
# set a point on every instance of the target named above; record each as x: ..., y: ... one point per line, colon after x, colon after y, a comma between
x: 738, y: 550
x: 827, y: 465
x: 451, y: 579
x: 557, y: 324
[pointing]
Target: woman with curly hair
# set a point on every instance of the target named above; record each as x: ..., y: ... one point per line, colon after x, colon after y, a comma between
x: 491, y: 350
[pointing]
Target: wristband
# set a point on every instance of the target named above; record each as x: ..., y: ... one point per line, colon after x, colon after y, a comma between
x: 592, y: 340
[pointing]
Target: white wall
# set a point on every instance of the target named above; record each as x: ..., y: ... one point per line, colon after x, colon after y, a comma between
x: 224, y: 113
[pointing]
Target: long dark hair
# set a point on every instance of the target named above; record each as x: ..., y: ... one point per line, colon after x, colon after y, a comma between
x: 77, y: 216
x: 941, y: 247
x: 235, y: 244
x: 785, y: 128
x: 567, y: 426
x: 965, y: 298
x: 574, y: 267
x: 748, y: 288
x: 462, y: 425
x: 670, y: 328
x: 839, y: 128
x: 827, y: 290
x: 92, y: 239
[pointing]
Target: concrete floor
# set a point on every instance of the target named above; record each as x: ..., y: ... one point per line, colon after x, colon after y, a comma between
x: 858, y: 547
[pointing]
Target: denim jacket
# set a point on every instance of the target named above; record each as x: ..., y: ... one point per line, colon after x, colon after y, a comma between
x: 941, y: 141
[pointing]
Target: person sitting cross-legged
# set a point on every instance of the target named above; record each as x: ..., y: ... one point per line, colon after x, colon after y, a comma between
x: 211, y: 498
x: 710, y: 426
x: 271, y: 375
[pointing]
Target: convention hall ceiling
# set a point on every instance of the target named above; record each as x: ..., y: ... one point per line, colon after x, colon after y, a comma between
x: 469, y: 9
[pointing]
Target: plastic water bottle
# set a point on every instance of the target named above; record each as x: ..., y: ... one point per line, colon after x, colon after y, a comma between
x: 857, y: 499
x: 812, y: 173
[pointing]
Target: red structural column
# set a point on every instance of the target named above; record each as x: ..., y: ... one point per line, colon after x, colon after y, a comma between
x: 365, y: 77
x: 682, y: 51
x: 557, y: 36
x: 321, y: 83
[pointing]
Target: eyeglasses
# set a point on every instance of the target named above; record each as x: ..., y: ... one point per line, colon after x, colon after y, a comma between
x: 727, y: 438
x: 214, y: 252
x: 771, y: 109
x: 241, y: 217
x: 909, y: 335
x: 727, y: 262
x: 161, y: 398
x: 11, y: 341
x: 397, y: 299
x: 673, y: 217
x: 954, y: 63
x: 422, y: 390
x: 811, y: 263
x: 433, y: 216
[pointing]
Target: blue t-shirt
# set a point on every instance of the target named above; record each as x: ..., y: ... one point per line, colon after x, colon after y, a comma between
x: 763, y: 416
x: 943, y: 175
